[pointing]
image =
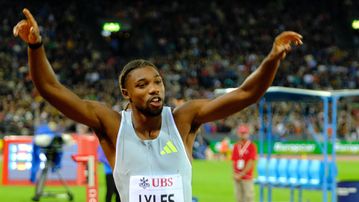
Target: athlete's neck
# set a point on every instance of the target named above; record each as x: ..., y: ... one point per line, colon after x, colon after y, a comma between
x: 146, y: 127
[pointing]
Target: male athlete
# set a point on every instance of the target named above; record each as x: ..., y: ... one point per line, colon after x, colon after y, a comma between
x: 148, y: 146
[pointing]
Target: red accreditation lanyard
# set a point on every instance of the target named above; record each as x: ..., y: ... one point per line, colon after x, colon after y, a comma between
x: 241, y: 149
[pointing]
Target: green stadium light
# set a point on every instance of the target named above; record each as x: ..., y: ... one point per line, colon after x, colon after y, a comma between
x: 355, y: 24
x: 111, y: 26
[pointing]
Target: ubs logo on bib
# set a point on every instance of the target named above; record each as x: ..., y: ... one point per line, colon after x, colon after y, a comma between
x: 156, y: 182
x: 144, y: 183
x: 162, y: 182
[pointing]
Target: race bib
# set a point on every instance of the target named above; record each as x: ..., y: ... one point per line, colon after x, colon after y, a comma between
x: 166, y: 188
x: 240, y: 164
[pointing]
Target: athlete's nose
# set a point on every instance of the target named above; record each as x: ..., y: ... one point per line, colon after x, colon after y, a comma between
x: 154, y: 89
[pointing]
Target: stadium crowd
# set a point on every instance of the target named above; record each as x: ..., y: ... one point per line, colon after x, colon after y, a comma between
x: 198, y: 45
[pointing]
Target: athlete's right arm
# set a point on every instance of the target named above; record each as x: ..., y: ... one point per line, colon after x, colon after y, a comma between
x: 43, y: 76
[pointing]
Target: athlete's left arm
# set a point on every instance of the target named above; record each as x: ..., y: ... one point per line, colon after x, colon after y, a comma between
x: 252, y: 88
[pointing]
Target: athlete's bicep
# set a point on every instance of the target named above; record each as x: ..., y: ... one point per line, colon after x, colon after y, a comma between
x: 222, y: 106
x: 75, y: 108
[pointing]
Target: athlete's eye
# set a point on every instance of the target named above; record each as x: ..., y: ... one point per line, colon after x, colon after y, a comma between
x: 141, y: 85
x: 159, y: 81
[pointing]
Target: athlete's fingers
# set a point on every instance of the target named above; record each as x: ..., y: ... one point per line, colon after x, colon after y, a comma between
x: 30, y: 18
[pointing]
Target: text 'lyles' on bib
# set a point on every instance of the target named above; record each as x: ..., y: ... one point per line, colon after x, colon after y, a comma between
x: 164, y: 188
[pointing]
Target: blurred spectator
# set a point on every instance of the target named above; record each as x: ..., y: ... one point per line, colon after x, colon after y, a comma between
x: 200, y: 147
x: 110, y: 183
x: 243, y: 156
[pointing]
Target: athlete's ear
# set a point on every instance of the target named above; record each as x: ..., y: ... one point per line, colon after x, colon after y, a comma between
x: 125, y: 93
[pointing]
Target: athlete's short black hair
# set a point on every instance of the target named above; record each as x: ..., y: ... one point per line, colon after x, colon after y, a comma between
x: 132, y: 65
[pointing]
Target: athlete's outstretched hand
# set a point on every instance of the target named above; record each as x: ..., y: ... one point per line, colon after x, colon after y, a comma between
x: 282, y: 44
x: 27, y: 29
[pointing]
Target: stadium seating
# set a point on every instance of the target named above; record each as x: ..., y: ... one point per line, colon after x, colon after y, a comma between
x: 193, y: 63
x: 293, y: 174
x: 273, y: 171
x: 262, y: 171
x: 316, y: 172
x: 301, y: 173
x: 283, y: 175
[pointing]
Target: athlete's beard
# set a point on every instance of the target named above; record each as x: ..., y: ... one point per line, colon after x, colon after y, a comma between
x: 147, y: 111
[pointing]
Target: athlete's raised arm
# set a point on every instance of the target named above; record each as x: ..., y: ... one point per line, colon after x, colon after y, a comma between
x: 251, y: 89
x: 90, y: 113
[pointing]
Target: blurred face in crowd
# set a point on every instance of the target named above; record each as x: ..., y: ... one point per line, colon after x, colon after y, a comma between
x: 243, y: 132
x: 145, y: 90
